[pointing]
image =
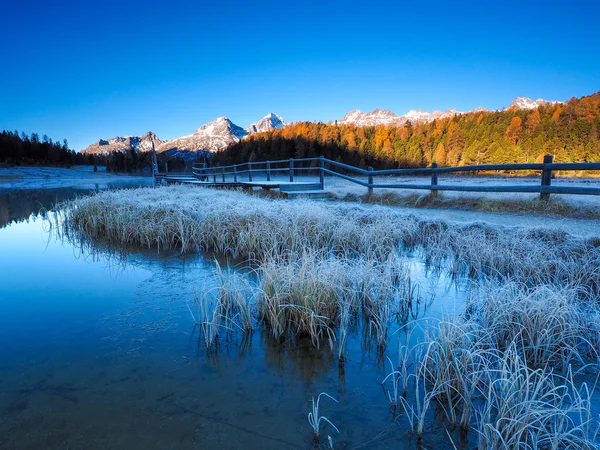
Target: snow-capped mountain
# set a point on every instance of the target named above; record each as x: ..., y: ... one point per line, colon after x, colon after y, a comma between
x: 375, y: 117
x: 385, y: 117
x: 213, y: 136
x: 125, y: 143
x: 527, y: 103
x: 418, y: 115
x: 267, y: 123
x: 446, y: 114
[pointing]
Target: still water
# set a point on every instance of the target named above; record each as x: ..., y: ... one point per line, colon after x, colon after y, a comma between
x: 99, y: 351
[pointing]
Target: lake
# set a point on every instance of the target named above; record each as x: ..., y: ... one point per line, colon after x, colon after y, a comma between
x: 99, y: 351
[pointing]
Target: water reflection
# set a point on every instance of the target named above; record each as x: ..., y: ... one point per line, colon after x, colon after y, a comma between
x: 99, y: 351
x: 19, y: 204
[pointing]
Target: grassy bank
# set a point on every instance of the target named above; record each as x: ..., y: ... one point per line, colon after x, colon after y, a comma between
x: 508, y: 371
x: 554, y: 207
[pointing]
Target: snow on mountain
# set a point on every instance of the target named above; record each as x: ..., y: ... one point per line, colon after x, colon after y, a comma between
x: 125, y: 143
x: 527, y: 103
x: 212, y: 136
x: 267, y: 123
x: 418, y: 115
x: 376, y: 117
x: 523, y: 103
x: 449, y: 113
x: 385, y: 117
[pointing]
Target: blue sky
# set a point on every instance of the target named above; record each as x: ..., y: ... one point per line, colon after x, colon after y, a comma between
x: 86, y: 70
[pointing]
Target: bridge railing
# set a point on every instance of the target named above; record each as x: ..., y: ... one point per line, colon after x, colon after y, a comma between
x: 250, y: 171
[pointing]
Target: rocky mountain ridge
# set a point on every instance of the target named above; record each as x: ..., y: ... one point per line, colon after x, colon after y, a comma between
x: 212, y: 136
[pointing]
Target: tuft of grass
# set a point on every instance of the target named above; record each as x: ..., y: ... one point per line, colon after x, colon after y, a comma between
x: 393, y: 396
x: 531, y: 408
x: 315, y: 418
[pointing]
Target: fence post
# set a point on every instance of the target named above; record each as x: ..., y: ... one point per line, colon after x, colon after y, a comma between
x: 546, y: 177
x: 370, y: 180
x: 434, y: 178
x: 223, y: 174
x: 268, y: 170
x: 249, y: 171
x: 291, y: 169
x: 322, y: 172
x: 214, y: 174
x: 235, y: 173
x: 166, y: 167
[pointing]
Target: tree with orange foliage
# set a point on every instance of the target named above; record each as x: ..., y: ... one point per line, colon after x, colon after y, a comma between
x: 439, y: 156
x: 556, y: 114
x: 513, y: 130
x: 387, y: 149
x: 532, y: 121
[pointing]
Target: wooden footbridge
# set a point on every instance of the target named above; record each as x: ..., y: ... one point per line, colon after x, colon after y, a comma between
x: 289, y: 177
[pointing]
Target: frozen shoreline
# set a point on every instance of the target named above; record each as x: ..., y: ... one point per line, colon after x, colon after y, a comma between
x: 83, y: 177
x: 37, y: 177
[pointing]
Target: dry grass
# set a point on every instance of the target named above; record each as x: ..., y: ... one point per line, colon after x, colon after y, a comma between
x: 551, y: 207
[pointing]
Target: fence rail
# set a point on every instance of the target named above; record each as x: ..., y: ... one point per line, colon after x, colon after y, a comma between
x: 238, y: 172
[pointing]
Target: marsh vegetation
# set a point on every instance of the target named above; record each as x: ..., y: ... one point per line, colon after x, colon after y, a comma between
x: 514, y: 367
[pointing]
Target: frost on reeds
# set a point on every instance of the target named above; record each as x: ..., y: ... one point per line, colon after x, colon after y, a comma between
x: 226, y: 307
x: 319, y: 296
x: 244, y: 226
x: 554, y: 327
x: 315, y: 418
x: 532, y: 408
x: 506, y: 368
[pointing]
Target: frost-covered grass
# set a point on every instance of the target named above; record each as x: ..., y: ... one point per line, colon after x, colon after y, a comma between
x: 504, y: 388
x: 581, y: 206
x: 244, y: 226
x: 530, y: 204
x: 507, y: 371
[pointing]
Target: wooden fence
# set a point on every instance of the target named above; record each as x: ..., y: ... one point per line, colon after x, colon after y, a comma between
x: 251, y: 170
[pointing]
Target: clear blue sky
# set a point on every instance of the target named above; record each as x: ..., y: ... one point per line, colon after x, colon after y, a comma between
x: 86, y: 70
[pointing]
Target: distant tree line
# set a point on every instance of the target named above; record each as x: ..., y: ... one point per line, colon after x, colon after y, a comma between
x: 22, y: 149
x: 29, y: 150
x: 569, y: 131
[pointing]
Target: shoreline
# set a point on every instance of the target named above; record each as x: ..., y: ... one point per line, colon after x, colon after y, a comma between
x: 41, y: 177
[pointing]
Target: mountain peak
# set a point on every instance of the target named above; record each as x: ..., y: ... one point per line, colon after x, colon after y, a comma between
x: 124, y: 144
x: 375, y: 117
x: 223, y: 121
x: 267, y: 123
x: 527, y: 103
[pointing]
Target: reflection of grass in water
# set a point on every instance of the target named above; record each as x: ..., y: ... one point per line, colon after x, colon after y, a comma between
x: 322, y: 266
